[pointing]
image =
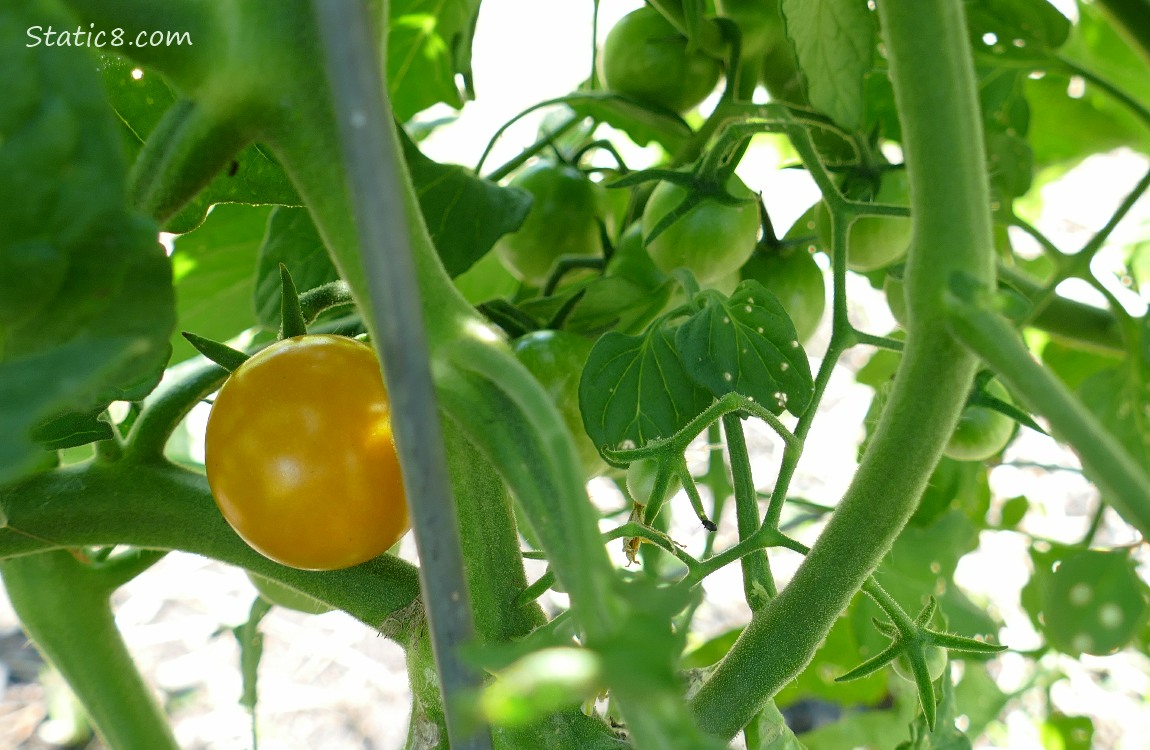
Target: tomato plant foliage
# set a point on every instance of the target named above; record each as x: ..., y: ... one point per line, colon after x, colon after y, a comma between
x: 610, y: 300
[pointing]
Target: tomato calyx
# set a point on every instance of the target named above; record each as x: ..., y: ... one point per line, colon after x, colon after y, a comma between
x: 700, y: 189
x: 919, y: 654
x: 296, y: 312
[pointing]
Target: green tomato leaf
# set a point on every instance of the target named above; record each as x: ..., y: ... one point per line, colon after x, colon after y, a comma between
x: 33, y: 391
x: 608, y: 302
x: 1120, y: 398
x: 1011, y: 164
x: 428, y: 44
x: 834, y: 41
x: 636, y: 389
x: 1016, y: 29
x: 769, y: 731
x: 1099, y: 45
x: 1002, y: 99
x: 1093, y: 602
x: 1073, y: 365
x: 642, y: 123
x: 141, y: 98
x: 1067, y: 128
x: 708, y: 653
x: 747, y: 344
x: 88, y: 304
x: 251, y: 643
x: 1013, y: 511
x: 291, y: 239
x: 212, y: 269
x: 451, y: 198
x: 979, y: 697
x: 72, y: 430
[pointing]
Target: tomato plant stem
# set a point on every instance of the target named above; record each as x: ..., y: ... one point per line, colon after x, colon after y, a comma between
x: 1123, y: 482
x: 161, y: 506
x: 758, y: 583
x: 65, y: 608
x: 926, y: 43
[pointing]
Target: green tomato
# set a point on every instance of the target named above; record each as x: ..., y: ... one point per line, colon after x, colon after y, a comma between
x: 486, y: 280
x: 760, y: 25
x: 874, y: 242
x: 728, y: 284
x: 641, y: 476
x: 285, y: 596
x: 982, y: 432
x: 936, y: 659
x: 712, y: 240
x: 562, y: 221
x: 556, y: 359
x: 793, y: 276
x: 645, y: 57
x: 895, y: 291
x: 632, y: 262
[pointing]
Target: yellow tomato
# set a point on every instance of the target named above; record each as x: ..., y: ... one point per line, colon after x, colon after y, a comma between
x: 300, y: 457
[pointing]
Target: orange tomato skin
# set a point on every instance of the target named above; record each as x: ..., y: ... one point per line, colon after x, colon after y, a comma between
x: 300, y: 456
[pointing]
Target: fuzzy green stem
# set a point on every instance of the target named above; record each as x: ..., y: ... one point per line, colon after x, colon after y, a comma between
x: 1123, y: 482
x: 161, y: 506
x: 758, y: 583
x: 65, y: 608
x: 169, y: 404
x: 942, y: 136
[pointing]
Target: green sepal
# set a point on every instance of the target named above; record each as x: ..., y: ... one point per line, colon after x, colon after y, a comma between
x: 222, y: 354
x: 292, y: 322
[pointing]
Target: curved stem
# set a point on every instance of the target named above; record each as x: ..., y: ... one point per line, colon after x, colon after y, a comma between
x: 161, y: 506
x: 168, y: 405
x: 66, y: 610
x: 1123, y: 482
x: 952, y: 234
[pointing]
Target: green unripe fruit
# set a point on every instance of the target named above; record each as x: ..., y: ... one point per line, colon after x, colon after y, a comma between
x: 982, y: 432
x: 936, y: 659
x: 645, y: 57
x: 563, y: 220
x: 712, y: 240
